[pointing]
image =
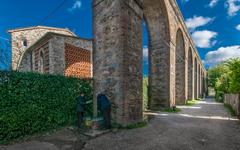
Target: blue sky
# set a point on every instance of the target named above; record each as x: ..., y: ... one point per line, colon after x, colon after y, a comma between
x: 212, y: 23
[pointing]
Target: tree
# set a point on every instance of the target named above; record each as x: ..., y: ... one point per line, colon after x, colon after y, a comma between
x: 215, y: 73
x: 234, y: 77
x: 225, y: 78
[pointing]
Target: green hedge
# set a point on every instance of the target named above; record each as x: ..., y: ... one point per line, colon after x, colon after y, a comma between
x: 31, y: 103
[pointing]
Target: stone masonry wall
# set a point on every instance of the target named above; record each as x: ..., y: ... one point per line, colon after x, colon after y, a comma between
x: 160, y: 94
x: 31, y: 36
x: 53, y: 46
x: 44, y: 49
x: 30, y: 59
x: 234, y: 101
x: 117, y: 56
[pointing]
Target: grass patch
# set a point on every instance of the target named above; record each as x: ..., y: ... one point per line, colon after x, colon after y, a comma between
x: 191, y: 102
x: 171, y: 110
x: 230, y: 110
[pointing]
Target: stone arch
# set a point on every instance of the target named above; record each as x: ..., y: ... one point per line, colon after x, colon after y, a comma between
x: 190, y: 75
x: 157, y: 21
x: 117, y: 56
x: 24, y: 62
x: 199, y: 81
x: 180, y: 69
x: 195, y: 79
x: 202, y: 85
x: 41, y: 61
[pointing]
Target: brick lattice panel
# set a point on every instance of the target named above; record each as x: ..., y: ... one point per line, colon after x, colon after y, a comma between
x: 78, y: 62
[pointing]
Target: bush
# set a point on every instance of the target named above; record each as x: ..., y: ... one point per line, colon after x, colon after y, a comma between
x: 219, y: 97
x: 225, y: 78
x: 31, y: 103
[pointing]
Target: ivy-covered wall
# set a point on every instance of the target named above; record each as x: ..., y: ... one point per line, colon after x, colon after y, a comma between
x: 31, y: 103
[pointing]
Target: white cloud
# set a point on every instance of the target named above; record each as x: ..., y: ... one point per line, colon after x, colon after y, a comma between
x: 197, y: 21
x: 204, y: 39
x: 238, y: 27
x: 223, y: 53
x: 233, y: 7
x: 77, y: 5
x: 213, y: 3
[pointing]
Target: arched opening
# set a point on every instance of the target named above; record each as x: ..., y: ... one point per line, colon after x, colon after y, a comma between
x: 199, y: 82
x: 180, y: 69
x: 195, y: 79
x: 41, y: 62
x: 190, y: 74
x: 156, y: 18
x: 145, y: 64
x: 202, y: 80
x: 117, y: 56
x: 25, y: 42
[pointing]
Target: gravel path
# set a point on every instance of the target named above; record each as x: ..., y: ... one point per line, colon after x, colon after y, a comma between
x: 204, y: 126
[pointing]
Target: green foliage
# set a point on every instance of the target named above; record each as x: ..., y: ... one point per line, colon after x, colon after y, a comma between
x: 191, y: 102
x: 225, y: 78
x: 234, y: 75
x: 32, y: 103
x: 145, y: 93
x: 218, y: 75
x: 219, y: 96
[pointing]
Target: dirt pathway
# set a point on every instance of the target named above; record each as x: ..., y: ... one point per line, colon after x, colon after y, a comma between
x: 205, y: 126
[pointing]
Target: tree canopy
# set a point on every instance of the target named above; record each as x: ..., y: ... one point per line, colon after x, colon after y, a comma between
x: 225, y: 77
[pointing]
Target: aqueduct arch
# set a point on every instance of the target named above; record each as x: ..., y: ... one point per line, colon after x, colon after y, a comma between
x: 117, y: 55
x: 199, y: 81
x: 180, y: 69
x: 195, y: 79
x: 190, y: 75
x: 156, y: 18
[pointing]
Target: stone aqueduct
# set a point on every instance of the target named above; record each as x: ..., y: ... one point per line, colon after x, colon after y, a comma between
x: 176, y: 72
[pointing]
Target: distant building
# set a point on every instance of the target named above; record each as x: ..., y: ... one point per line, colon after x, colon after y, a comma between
x: 51, y: 50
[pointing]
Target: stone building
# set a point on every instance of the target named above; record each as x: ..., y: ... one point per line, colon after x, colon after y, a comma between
x: 23, y: 38
x: 51, y: 50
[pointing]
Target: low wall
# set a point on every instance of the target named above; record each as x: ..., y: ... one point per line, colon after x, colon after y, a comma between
x: 233, y: 100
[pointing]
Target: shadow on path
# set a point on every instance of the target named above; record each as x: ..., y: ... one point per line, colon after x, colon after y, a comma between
x: 204, y: 126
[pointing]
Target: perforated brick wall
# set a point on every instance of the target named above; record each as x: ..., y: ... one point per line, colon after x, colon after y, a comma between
x: 78, y: 62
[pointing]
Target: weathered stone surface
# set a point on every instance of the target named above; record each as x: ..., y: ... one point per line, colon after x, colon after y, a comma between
x: 190, y: 75
x: 195, y: 79
x: 31, y: 35
x: 156, y: 18
x: 180, y: 70
x: 55, y: 54
x: 117, y: 56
